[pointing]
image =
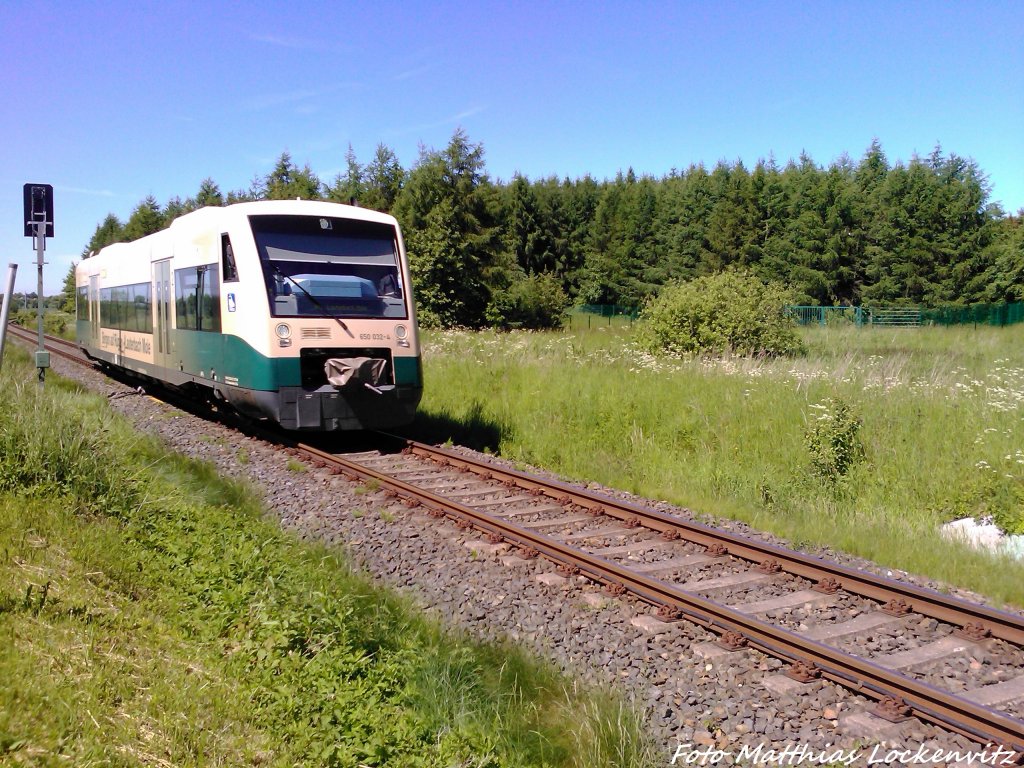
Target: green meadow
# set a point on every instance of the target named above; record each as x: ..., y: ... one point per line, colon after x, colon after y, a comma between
x: 151, y: 615
x: 867, y: 444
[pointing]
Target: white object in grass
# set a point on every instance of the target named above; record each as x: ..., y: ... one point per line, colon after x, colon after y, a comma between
x: 984, y: 535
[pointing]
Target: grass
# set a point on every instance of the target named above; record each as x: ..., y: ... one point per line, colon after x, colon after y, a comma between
x: 149, y: 615
x: 939, y: 413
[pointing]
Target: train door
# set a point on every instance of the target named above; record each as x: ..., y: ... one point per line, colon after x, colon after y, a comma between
x: 94, y: 310
x: 162, y: 303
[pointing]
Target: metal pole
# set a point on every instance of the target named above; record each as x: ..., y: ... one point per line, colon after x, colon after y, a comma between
x: 6, y: 309
x: 40, y: 248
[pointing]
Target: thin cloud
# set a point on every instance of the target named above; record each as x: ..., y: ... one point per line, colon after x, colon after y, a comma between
x: 85, y: 191
x: 279, y: 99
x: 296, y: 43
x: 409, y: 74
x: 468, y: 113
x: 453, y: 119
x: 267, y: 101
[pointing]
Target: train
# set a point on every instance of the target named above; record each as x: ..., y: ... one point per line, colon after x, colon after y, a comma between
x: 294, y: 312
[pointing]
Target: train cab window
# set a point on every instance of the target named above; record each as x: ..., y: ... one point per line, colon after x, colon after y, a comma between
x: 320, y: 266
x: 82, y: 303
x: 227, y: 259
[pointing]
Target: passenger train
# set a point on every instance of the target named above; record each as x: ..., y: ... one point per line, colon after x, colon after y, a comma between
x: 298, y: 312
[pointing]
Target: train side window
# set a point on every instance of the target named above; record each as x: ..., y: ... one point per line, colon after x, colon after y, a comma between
x: 106, y: 318
x: 143, y: 313
x: 197, y: 298
x: 227, y: 255
x: 209, y: 307
x: 186, y: 283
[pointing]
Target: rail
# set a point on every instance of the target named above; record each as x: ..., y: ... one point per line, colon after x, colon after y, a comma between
x: 925, y: 701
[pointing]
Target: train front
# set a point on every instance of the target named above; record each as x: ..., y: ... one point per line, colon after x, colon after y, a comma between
x: 343, y: 341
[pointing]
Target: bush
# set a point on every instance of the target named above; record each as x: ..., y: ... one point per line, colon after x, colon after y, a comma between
x: 54, y: 323
x: 26, y: 318
x: 732, y: 311
x: 533, y: 302
x: 833, y: 440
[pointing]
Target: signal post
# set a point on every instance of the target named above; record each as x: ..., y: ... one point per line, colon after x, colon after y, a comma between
x: 39, y: 226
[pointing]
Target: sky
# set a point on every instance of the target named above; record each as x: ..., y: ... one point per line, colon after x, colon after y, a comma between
x: 113, y: 101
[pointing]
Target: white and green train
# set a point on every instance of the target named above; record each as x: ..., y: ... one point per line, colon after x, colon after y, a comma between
x: 299, y: 312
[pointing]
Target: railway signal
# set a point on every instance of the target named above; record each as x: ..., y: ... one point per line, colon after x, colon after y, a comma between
x: 39, y: 225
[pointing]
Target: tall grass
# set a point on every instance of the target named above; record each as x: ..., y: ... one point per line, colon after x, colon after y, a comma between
x: 149, y: 615
x: 940, y: 413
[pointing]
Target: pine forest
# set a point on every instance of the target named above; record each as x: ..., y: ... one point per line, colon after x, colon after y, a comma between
x: 516, y: 253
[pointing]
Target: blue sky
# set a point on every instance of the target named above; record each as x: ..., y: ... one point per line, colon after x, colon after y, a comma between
x: 113, y: 101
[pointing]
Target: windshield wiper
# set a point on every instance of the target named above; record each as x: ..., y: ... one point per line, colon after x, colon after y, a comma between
x: 323, y: 310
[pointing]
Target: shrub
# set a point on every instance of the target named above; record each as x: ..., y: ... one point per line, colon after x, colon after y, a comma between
x: 26, y: 318
x: 54, y: 323
x: 732, y: 311
x: 833, y: 440
x: 530, y: 302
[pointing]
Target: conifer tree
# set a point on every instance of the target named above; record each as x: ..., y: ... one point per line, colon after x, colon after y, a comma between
x: 289, y: 182
x: 209, y: 194
x: 68, y: 292
x: 449, y: 234
x: 731, y: 233
x: 108, y: 231
x: 1004, y: 280
x: 146, y: 219
x: 383, y: 179
x: 174, y: 208
x: 348, y: 187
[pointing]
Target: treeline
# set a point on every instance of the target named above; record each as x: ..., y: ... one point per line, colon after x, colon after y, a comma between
x: 516, y: 253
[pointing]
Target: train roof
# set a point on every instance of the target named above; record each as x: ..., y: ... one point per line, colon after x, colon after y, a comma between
x: 217, y: 217
x: 213, y: 216
x: 285, y: 207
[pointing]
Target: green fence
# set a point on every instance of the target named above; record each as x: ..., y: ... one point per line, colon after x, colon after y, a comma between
x: 600, y: 315
x: 896, y: 317
x: 906, y: 317
x: 806, y: 315
x: 608, y: 310
x: 975, y: 314
x: 603, y: 315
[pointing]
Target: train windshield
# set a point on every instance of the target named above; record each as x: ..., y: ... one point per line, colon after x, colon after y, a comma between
x: 329, y: 267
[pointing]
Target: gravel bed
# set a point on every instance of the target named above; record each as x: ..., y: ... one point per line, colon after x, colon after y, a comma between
x: 843, y: 607
x: 690, y: 698
x: 994, y: 662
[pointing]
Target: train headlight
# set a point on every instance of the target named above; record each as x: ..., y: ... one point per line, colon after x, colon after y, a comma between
x: 283, y: 331
x: 401, y: 332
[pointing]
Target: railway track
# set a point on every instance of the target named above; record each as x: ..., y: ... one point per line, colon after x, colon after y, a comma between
x: 717, y: 579
x: 886, y: 639
x: 58, y: 346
